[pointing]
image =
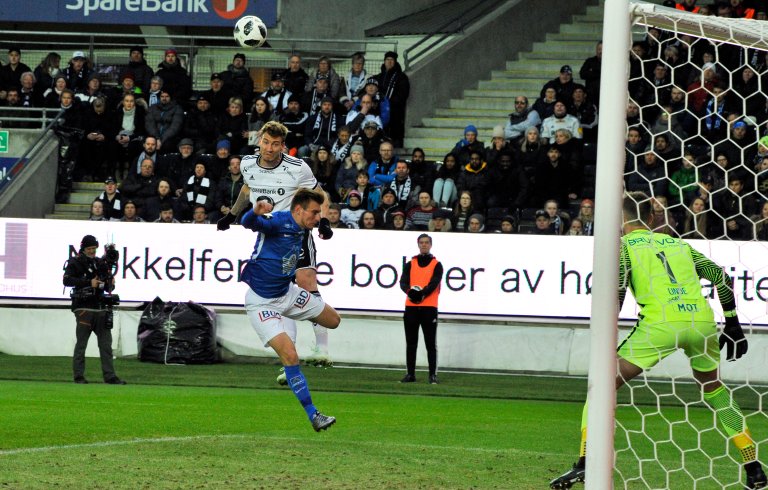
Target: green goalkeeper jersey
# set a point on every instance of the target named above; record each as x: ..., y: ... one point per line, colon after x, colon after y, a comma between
x: 664, y: 273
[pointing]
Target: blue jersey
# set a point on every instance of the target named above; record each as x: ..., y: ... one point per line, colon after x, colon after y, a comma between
x: 272, y: 266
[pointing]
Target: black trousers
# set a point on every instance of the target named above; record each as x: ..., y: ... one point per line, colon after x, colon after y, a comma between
x: 92, y: 321
x: 426, y: 318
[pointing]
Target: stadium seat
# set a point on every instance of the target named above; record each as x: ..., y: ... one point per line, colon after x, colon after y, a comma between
x: 494, y: 217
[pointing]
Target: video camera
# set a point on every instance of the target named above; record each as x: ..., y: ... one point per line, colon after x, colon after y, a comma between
x: 106, y: 268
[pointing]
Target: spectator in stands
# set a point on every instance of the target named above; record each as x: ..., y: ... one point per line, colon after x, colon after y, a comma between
x: 462, y: 211
x: 295, y: 78
x: 95, y: 155
x: 476, y: 223
x: 444, y: 189
x: 130, y: 213
x: 77, y: 72
x: 682, y: 183
x: 277, y: 95
x: 201, y: 125
x: 554, y: 178
x: 741, y: 146
x: 343, y: 144
x: 563, y: 84
x: 353, y: 211
x: 387, y: 205
x: 324, y: 69
x: 92, y: 91
x: 138, y: 68
x: 238, y: 81
x: 649, y: 176
x: 663, y: 219
x: 559, y: 220
x: 746, y: 86
x: 422, y: 172
x: 233, y: 124
x: 218, y: 164
x: 199, y: 189
x: 590, y: 73
x: 347, y: 173
x: 356, y: 77
x: 633, y: 148
x: 153, y: 94
x: 334, y: 216
x: 441, y: 221
x: 321, y: 128
x: 261, y: 113
x: 166, y: 214
x: 219, y: 95
x: 699, y: 90
x: 734, y: 206
x: 175, y: 77
x: 696, y: 224
x: 97, y: 211
x: 560, y: 119
x: 229, y: 186
x: 129, y: 130
x: 417, y: 217
x: 165, y: 122
x: 371, y: 139
x: 533, y: 151
x: 312, y: 99
x: 369, y: 194
x: 467, y: 145
x: 368, y: 221
x: 46, y: 71
x: 53, y: 96
x: 718, y: 171
x: 73, y: 115
x: 28, y: 95
x: 140, y: 187
x: 520, y: 120
x: 680, y: 68
x: 177, y: 167
x: 111, y: 200
x: 508, y: 184
x: 668, y: 152
x: 542, y: 224
x: 359, y: 116
x: 10, y: 73
x: 382, y: 170
x: 576, y: 228
x: 199, y: 215
x: 545, y: 105
x: 324, y: 166
x: 761, y: 179
x: 12, y: 99
x: 296, y: 121
x: 761, y: 223
x: 397, y: 223
x: 571, y: 150
x: 498, y: 145
x: 716, y: 114
x: 380, y: 105
x: 587, y: 217
x: 163, y: 195
x: 508, y: 225
x: 403, y: 186
x: 585, y: 111
x: 394, y: 86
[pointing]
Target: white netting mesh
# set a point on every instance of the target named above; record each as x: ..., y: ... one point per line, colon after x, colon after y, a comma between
x: 697, y: 113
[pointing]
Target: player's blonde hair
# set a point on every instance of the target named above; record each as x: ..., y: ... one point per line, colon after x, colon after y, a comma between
x: 275, y: 130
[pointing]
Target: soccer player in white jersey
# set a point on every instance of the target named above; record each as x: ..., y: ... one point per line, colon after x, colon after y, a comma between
x: 273, y: 176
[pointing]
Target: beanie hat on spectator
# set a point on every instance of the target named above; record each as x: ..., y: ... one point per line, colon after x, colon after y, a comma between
x: 324, y: 146
x: 470, y: 129
x: 294, y: 98
x: 278, y: 75
x: 354, y: 193
x: 498, y: 132
x: 78, y: 55
x: 203, y: 163
x: 109, y: 180
x: 88, y: 241
x: 540, y: 214
x: 479, y: 217
x: 223, y: 144
x: 326, y: 99
x: 357, y: 148
x: 372, y: 81
x: 170, y: 51
x: 441, y: 213
x: 566, y: 69
x: 321, y: 76
x: 186, y: 142
x: 508, y: 219
x: 740, y: 124
x: 128, y: 75
x: 370, y: 124
x: 764, y: 141
x: 388, y: 190
x: 239, y: 55
x: 14, y: 49
x: 585, y: 202
x: 397, y: 212
x: 390, y: 54
x: 215, y: 76
x: 137, y: 48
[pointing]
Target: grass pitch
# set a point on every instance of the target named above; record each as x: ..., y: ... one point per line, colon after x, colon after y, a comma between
x: 231, y: 426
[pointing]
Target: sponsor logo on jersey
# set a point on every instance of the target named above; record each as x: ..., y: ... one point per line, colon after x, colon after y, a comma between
x: 267, y: 190
x: 269, y: 315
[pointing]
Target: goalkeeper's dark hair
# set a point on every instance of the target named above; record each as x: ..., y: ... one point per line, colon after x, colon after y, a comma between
x: 637, y: 208
x: 304, y: 196
x: 275, y: 130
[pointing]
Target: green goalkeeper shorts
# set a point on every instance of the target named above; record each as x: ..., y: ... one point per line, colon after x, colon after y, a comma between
x: 649, y: 343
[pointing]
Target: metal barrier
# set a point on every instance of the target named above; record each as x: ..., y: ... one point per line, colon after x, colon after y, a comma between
x: 26, y: 117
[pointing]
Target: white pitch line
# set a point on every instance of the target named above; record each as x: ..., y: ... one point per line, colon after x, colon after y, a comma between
x: 155, y: 440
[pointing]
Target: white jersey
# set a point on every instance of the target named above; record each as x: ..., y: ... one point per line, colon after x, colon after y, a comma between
x: 276, y: 185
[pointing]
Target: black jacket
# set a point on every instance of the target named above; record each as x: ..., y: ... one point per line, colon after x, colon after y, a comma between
x: 78, y: 274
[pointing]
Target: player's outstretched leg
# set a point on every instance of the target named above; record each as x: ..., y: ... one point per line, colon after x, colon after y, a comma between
x: 298, y: 384
x: 570, y: 477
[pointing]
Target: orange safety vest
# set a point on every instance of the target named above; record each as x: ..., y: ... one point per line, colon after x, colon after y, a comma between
x: 420, y: 276
x: 680, y: 6
x: 749, y: 14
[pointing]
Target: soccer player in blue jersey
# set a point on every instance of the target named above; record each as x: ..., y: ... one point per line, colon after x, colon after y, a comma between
x: 272, y: 294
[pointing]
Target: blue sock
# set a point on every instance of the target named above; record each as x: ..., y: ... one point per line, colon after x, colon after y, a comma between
x: 298, y: 384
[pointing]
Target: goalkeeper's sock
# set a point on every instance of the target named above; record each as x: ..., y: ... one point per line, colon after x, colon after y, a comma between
x: 730, y: 417
x: 298, y: 384
x: 583, y: 444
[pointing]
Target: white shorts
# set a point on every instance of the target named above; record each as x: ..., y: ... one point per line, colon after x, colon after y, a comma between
x: 266, y: 314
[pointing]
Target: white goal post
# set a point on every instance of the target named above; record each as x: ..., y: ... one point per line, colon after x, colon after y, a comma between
x: 619, y: 18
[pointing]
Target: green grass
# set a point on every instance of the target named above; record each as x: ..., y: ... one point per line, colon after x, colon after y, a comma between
x: 230, y: 426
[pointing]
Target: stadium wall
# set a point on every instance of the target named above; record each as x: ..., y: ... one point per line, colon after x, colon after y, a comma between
x: 551, y: 348
x: 37, y: 184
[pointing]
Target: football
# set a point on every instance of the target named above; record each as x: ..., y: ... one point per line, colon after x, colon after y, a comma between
x: 250, y: 32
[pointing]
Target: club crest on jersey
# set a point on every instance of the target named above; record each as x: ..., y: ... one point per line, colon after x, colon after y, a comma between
x: 289, y: 263
x: 269, y: 315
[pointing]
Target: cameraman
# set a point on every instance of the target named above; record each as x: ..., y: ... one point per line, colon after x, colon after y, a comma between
x: 91, y: 312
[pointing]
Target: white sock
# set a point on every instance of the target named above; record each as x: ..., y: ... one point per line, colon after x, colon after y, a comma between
x: 321, y: 338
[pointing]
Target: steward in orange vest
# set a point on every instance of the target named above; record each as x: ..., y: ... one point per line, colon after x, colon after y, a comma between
x: 421, y: 282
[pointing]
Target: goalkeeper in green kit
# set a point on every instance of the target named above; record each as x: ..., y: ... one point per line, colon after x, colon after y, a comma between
x: 663, y: 273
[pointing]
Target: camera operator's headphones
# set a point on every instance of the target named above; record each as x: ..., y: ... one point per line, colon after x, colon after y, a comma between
x: 88, y: 241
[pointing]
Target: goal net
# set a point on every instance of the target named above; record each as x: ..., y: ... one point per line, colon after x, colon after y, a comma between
x: 697, y: 144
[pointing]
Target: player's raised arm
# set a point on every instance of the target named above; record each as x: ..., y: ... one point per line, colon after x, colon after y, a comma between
x: 240, y: 204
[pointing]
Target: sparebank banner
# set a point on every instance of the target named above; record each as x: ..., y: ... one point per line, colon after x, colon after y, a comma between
x: 504, y: 275
x: 140, y: 12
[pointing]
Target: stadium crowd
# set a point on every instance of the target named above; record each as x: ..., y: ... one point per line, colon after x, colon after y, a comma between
x: 696, y: 140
